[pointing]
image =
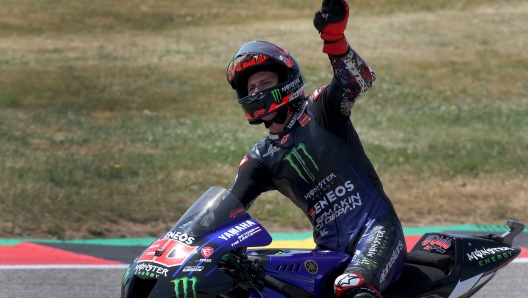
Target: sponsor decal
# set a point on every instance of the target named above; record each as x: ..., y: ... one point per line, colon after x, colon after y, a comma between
x: 304, y: 120
x: 193, y: 268
x: 273, y: 136
x: 246, y: 235
x: 352, y: 63
x: 185, y: 283
x: 271, y: 150
x: 259, y: 112
x: 179, y: 236
x: 125, y: 275
x: 207, y: 251
x: 249, y: 233
x: 379, y: 244
x: 291, y: 85
x: 150, y: 270
x: 147, y: 274
x: 284, y: 139
x: 203, y: 261
x: 328, y: 209
x: 346, y: 105
x: 496, y: 258
x: 311, y: 266
x: 243, y: 162
x: 321, y: 187
x: 439, y: 243
x: 236, y: 230
x: 300, y: 159
x: 177, y: 252
x: 298, y: 93
x: 486, y: 256
x: 276, y: 95
x: 323, y: 232
x: 297, y: 115
x: 393, y: 258
x: 294, y: 119
x: 369, y: 262
x: 312, y: 213
x: 236, y: 212
x: 340, y: 191
x: 328, y: 213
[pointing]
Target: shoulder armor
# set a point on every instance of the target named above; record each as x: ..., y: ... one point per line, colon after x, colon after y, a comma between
x: 317, y: 92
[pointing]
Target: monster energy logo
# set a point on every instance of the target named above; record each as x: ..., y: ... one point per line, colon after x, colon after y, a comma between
x: 276, y: 95
x: 125, y: 275
x: 185, y: 284
x: 367, y: 261
x: 299, y: 164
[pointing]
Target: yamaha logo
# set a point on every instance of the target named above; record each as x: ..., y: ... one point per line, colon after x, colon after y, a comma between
x: 311, y: 267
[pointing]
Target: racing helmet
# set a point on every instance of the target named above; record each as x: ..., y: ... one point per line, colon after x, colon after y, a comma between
x: 258, y: 56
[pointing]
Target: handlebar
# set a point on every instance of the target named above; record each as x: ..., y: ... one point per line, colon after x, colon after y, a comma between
x: 276, y: 285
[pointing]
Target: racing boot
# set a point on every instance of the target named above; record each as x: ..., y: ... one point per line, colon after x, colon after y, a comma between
x: 353, y: 285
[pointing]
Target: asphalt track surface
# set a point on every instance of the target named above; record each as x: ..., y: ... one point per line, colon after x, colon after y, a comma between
x: 103, y: 280
x: 67, y: 283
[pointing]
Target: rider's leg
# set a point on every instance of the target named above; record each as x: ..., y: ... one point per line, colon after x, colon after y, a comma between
x: 349, y: 285
x: 379, y: 255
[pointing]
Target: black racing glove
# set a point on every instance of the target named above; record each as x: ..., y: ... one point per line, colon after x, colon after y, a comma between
x: 231, y: 264
x: 331, y: 23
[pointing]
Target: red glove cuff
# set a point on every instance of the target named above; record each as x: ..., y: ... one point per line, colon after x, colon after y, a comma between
x: 336, y: 48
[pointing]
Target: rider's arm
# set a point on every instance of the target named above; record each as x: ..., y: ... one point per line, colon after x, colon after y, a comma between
x: 352, y: 76
x: 252, y: 179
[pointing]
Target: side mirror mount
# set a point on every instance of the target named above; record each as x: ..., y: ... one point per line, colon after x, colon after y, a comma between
x: 516, y: 228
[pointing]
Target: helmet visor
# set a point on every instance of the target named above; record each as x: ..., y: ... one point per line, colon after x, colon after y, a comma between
x: 260, y: 104
x: 263, y: 103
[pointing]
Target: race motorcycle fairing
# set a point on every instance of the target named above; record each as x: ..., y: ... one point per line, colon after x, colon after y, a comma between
x: 184, y: 262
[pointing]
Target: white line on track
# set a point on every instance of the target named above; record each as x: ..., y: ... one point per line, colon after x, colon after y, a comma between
x: 118, y: 266
x: 523, y: 260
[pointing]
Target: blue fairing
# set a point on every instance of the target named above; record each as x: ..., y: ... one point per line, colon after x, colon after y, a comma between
x: 307, y: 269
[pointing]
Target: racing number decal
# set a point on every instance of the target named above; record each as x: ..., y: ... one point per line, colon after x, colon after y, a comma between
x: 174, y: 252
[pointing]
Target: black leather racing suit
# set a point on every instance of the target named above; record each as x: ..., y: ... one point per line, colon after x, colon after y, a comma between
x: 319, y: 163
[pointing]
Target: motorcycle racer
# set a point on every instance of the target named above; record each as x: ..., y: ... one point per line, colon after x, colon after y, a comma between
x: 313, y: 154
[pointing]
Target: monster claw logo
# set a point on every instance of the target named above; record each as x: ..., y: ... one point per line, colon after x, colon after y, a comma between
x: 185, y: 281
x: 126, y: 274
x: 299, y: 164
x: 367, y: 261
x: 276, y: 95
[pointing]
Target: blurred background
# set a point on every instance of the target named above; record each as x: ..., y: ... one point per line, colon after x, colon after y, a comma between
x: 116, y: 115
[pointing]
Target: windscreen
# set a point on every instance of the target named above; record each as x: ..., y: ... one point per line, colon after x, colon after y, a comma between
x: 214, y: 208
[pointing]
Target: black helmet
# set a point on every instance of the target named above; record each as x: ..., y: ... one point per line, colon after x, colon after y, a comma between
x: 258, y: 56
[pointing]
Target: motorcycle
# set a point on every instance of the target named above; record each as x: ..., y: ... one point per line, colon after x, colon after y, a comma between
x: 190, y: 260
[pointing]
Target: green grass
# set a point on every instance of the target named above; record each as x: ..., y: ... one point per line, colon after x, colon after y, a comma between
x: 117, y: 114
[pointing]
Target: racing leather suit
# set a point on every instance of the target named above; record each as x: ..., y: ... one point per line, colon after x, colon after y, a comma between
x: 319, y: 163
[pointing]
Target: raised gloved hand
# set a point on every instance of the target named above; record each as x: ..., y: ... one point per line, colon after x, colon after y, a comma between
x: 331, y: 22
